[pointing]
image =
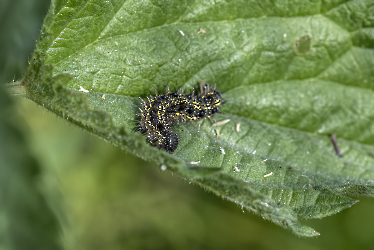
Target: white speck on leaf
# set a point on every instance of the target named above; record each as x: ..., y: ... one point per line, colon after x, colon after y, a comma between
x: 220, y: 123
x: 238, y: 127
x: 269, y: 174
x: 83, y: 89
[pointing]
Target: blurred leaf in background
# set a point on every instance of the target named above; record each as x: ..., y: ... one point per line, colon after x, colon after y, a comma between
x: 27, y: 221
x: 105, y: 198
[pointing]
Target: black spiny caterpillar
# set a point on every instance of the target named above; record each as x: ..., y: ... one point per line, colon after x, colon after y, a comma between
x: 161, y: 112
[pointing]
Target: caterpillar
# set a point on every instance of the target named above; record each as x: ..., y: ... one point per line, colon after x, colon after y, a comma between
x: 159, y: 113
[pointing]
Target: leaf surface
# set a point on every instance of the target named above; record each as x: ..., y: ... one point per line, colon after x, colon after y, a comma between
x: 293, y: 73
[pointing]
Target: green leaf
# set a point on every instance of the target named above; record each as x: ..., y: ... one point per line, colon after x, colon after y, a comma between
x: 27, y: 222
x: 293, y: 73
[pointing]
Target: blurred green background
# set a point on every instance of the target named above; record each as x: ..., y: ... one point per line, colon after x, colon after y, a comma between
x: 105, y: 198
